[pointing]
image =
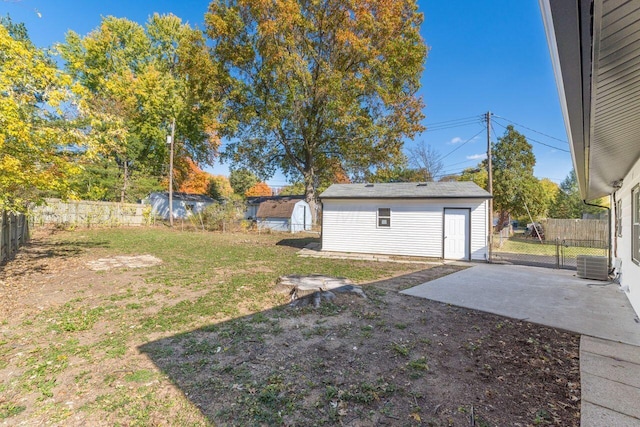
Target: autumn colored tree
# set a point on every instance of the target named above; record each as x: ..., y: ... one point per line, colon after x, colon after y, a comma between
x: 258, y: 190
x: 318, y: 82
x: 194, y: 180
x: 135, y: 80
x: 36, y: 132
x: 242, y: 180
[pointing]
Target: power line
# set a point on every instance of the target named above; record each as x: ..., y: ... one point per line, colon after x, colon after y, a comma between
x: 453, y: 120
x: 459, y: 163
x: 452, y: 126
x: 536, y: 141
x: 462, y: 145
x: 452, y: 172
x: 532, y: 130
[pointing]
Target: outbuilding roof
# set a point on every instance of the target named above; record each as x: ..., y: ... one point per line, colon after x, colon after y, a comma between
x: 256, y: 200
x: 282, y: 208
x: 185, y: 197
x: 407, y: 190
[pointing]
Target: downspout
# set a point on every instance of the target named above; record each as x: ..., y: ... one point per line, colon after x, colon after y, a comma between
x: 614, y: 239
x: 609, y: 223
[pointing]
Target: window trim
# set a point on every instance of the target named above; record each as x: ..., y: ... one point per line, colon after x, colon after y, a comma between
x: 382, y: 217
x: 635, y: 224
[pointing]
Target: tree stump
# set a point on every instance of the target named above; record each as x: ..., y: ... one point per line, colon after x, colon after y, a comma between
x: 304, y: 290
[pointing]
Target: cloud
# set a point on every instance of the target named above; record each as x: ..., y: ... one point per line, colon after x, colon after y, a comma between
x: 458, y: 140
x: 480, y: 156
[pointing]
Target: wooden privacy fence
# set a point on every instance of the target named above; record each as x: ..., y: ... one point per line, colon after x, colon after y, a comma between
x: 14, y: 232
x: 576, y: 229
x: 89, y: 214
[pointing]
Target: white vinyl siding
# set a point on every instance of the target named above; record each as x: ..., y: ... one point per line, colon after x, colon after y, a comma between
x: 635, y: 224
x: 624, y: 245
x: 350, y: 225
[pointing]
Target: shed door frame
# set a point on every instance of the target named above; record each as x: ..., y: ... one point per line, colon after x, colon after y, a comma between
x: 467, y: 244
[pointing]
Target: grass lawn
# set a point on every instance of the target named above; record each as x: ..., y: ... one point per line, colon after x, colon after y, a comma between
x: 202, y: 339
x: 96, y: 319
x: 527, y: 247
x: 534, y: 247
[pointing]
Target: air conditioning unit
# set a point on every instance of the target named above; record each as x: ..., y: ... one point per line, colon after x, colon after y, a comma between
x: 593, y: 267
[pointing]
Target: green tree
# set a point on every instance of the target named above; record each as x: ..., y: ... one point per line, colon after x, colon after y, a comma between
x: 319, y: 82
x: 568, y: 202
x: 396, y: 174
x: 550, y: 192
x: 295, y: 189
x: 479, y: 175
x: 515, y: 189
x: 134, y: 80
x: 37, y: 135
x: 242, y: 180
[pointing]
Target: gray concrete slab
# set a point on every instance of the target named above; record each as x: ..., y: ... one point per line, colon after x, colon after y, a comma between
x: 550, y: 297
x: 610, y: 383
x: 617, y: 351
x: 612, y: 395
x: 596, y: 416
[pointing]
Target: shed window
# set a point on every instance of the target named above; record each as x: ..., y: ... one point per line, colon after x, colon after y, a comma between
x: 635, y: 224
x: 384, y: 217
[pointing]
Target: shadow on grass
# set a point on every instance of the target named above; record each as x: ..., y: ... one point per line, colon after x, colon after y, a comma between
x: 354, y: 360
x: 34, y: 253
x: 298, y: 243
x: 287, y: 366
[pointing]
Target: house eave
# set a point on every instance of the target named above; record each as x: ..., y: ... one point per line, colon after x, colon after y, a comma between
x: 595, y: 52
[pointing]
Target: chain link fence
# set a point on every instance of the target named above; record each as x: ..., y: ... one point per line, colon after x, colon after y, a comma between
x: 544, y: 253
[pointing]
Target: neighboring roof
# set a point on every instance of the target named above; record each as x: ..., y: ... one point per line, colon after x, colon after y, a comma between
x: 595, y: 51
x: 277, y: 208
x: 184, y: 197
x: 406, y: 190
x: 256, y: 200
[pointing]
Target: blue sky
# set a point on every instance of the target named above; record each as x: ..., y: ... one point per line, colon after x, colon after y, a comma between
x: 484, y: 56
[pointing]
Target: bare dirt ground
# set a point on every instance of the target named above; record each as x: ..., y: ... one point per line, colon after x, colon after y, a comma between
x: 389, y: 359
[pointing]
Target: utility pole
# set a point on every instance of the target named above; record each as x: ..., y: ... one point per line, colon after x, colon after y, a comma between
x: 171, y: 140
x: 490, y: 184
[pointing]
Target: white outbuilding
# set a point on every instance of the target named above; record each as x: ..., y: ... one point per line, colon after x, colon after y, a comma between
x: 184, y: 204
x: 435, y: 219
x: 283, y: 214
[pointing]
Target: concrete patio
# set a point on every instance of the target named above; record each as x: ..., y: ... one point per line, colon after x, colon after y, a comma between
x: 599, y: 311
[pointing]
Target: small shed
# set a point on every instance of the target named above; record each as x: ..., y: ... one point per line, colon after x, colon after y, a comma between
x: 253, y: 203
x: 436, y: 219
x: 184, y: 204
x: 292, y: 215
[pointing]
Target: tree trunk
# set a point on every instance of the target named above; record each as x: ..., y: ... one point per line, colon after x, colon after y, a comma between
x: 310, y: 195
x: 503, y: 220
x: 123, y: 191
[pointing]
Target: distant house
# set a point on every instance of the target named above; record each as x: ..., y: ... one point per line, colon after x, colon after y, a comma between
x: 284, y: 214
x: 184, y: 204
x: 435, y: 219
